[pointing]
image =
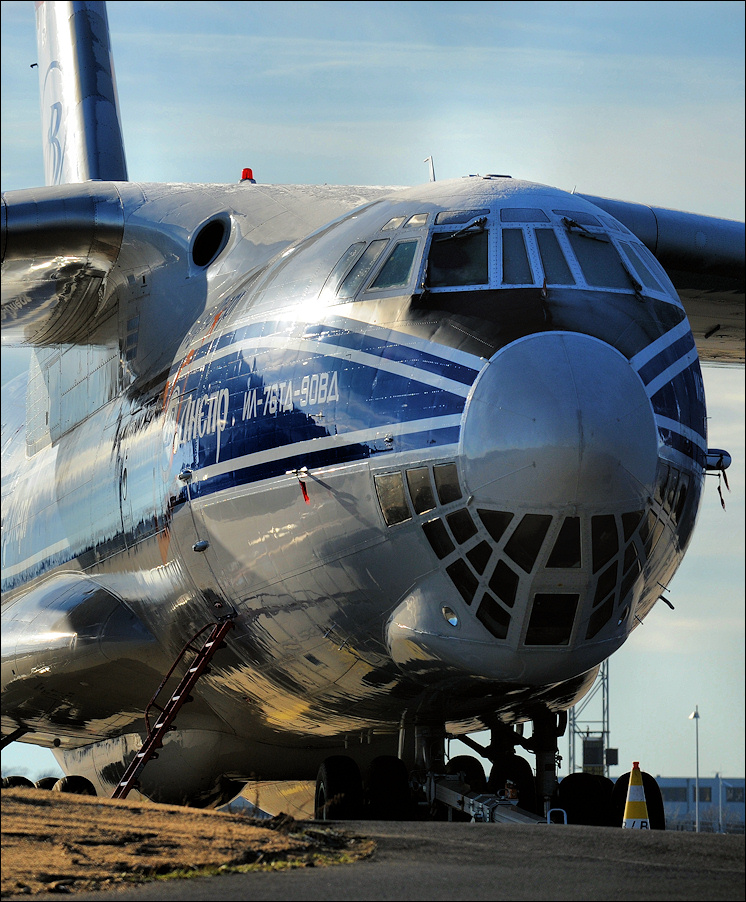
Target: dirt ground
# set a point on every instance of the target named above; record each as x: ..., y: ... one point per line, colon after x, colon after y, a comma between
x: 57, y: 841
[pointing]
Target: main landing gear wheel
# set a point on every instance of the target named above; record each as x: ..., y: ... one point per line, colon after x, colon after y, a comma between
x: 13, y: 782
x: 388, y: 793
x: 75, y: 785
x: 473, y: 774
x: 586, y: 798
x: 518, y: 771
x: 471, y: 769
x: 339, y: 790
x: 46, y: 782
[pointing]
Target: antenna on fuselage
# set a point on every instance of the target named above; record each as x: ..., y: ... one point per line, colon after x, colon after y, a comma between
x: 432, y: 167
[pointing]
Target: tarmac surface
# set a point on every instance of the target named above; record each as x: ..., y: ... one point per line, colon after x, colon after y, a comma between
x: 453, y: 861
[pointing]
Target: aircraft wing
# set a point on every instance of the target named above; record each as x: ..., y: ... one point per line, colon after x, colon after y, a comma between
x: 704, y: 258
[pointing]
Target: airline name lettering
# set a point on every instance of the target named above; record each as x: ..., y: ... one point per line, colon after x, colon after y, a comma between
x: 204, y: 415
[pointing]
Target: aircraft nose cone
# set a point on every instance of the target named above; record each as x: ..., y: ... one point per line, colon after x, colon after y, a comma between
x: 559, y: 418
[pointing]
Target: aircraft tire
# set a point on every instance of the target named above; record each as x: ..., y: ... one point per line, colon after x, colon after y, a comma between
x: 75, y: 785
x: 473, y: 773
x: 471, y: 769
x: 653, y: 801
x: 46, y: 782
x: 518, y: 770
x: 339, y: 790
x: 586, y: 798
x: 388, y: 792
x: 13, y: 782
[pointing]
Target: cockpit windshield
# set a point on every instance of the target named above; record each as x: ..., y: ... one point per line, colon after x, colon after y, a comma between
x: 458, y: 258
x: 517, y: 248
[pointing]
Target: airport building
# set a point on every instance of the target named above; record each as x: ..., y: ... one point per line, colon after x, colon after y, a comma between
x: 721, y: 803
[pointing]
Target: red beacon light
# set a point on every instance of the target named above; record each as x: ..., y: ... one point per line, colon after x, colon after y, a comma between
x: 247, y: 175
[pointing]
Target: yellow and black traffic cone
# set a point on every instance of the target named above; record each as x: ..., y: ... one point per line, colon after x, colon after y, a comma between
x: 636, y: 809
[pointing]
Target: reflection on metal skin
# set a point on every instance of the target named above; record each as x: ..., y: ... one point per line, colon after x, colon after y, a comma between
x: 561, y: 417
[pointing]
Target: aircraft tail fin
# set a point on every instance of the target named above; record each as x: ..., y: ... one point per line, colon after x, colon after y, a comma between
x: 81, y: 126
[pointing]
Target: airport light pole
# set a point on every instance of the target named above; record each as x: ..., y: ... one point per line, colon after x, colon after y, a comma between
x: 695, y: 717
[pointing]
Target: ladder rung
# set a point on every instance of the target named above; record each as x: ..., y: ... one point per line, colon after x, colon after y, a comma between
x: 200, y: 666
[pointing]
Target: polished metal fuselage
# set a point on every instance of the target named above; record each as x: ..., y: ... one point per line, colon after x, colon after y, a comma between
x: 426, y: 503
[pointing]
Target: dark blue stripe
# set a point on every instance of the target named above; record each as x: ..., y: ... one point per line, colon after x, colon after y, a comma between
x: 666, y: 358
x: 428, y: 440
x: 684, y: 445
x: 683, y: 400
x: 358, y: 341
x: 400, y: 353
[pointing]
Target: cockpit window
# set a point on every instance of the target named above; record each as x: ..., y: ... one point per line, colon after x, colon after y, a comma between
x: 393, y: 223
x: 648, y: 279
x: 599, y: 259
x: 522, y: 214
x: 458, y: 258
x: 360, y: 271
x: 556, y: 270
x: 578, y: 216
x: 396, y: 270
x: 456, y: 217
x: 345, y: 262
x: 419, y: 219
x: 516, y: 268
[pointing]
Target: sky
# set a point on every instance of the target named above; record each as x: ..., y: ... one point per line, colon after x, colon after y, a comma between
x: 638, y: 101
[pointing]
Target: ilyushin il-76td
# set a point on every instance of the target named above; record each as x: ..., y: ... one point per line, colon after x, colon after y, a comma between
x: 302, y: 481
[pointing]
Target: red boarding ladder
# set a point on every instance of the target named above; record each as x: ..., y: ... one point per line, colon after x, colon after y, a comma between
x: 180, y: 696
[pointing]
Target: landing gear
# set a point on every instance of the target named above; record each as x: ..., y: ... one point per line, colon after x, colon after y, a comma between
x: 339, y: 790
x: 388, y: 795
x: 14, y: 782
x: 46, y: 782
x: 586, y: 799
x: 75, y: 785
x: 341, y: 794
x: 512, y: 769
x: 471, y: 769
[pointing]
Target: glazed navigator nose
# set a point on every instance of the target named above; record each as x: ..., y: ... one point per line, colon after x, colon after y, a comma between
x: 560, y: 417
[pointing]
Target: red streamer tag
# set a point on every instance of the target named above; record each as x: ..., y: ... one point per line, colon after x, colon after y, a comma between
x: 305, y: 493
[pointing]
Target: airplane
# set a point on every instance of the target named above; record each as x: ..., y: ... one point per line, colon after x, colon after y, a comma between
x: 422, y: 459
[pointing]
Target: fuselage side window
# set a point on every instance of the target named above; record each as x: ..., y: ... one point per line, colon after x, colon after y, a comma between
x: 458, y: 259
x: 516, y: 268
x: 556, y: 270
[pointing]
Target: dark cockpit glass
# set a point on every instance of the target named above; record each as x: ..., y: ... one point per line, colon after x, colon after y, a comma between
x: 556, y: 270
x: 396, y: 270
x: 458, y: 259
x: 516, y: 268
x: 360, y: 271
x: 599, y: 259
x: 344, y: 263
x: 648, y: 279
